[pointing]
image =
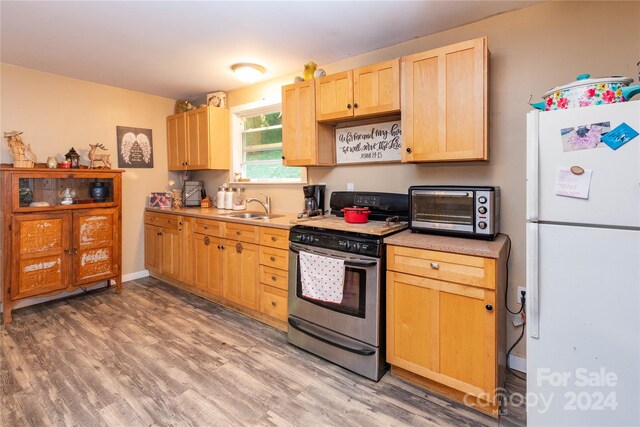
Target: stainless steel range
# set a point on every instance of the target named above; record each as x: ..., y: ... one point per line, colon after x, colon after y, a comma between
x: 350, y: 331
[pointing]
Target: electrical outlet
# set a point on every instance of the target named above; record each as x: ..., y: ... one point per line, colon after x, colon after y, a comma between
x: 350, y: 186
x: 516, y: 319
x: 520, y: 290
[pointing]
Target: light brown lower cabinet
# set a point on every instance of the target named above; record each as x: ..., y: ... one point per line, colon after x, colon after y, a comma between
x: 445, y: 325
x: 221, y: 261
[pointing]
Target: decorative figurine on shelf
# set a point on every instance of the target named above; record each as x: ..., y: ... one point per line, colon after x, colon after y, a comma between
x: 68, y: 196
x: 309, y: 69
x: 23, y: 157
x: 73, y: 158
x: 182, y: 106
x: 103, y: 158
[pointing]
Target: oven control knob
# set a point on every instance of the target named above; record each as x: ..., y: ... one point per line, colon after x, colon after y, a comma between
x: 482, y: 225
x: 482, y: 210
x: 356, y: 247
x: 347, y: 245
x: 482, y: 199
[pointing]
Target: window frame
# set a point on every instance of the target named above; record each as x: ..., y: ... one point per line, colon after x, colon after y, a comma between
x: 252, y: 109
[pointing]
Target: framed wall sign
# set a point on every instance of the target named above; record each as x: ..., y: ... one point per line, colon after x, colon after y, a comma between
x: 380, y: 142
x: 135, y: 147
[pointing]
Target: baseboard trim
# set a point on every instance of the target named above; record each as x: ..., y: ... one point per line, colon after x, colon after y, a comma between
x: 135, y: 275
x: 518, y: 363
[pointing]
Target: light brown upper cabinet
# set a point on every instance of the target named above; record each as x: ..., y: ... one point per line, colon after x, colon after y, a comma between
x: 444, y: 103
x: 304, y: 141
x: 199, y: 139
x: 366, y: 91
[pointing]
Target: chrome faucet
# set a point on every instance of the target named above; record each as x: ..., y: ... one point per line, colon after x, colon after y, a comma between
x: 266, y: 204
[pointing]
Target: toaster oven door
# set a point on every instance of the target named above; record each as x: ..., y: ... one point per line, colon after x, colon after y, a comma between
x: 443, y: 210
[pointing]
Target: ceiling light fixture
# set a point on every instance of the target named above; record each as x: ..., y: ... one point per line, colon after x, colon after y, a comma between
x: 248, y: 73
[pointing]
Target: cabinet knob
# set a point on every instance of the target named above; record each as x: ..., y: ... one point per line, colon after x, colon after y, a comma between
x: 273, y: 303
x: 434, y: 265
x: 159, y: 233
x: 67, y: 251
x: 180, y: 223
x: 355, y: 105
x: 348, y: 106
x: 272, y: 258
x: 238, y: 233
x: 206, y: 227
x: 408, y: 149
x: 274, y: 238
x: 207, y: 240
x: 239, y: 247
x: 489, y: 307
x: 282, y: 157
x: 186, y: 163
x: 75, y: 251
x: 274, y: 278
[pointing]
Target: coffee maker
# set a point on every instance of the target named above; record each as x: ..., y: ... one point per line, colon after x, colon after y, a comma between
x: 313, y: 200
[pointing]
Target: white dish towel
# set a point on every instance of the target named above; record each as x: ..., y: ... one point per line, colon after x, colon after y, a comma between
x: 322, y: 278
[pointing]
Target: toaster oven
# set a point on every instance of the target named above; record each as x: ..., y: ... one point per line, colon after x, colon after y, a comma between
x: 455, y: 210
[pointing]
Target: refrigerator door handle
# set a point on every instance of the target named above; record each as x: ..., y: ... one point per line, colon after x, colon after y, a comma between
x: 533, y: 141
x: 533, y: 283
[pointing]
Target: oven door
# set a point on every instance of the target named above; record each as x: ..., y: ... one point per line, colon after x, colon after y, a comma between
x: 443, y: 210
x: 358, y: 315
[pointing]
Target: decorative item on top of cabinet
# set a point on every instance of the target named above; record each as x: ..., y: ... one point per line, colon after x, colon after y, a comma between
x: 50, y: 247
x: 304, y: 141
x: 369, y: 91
x: 73, y: 158
x: 445, y: 103
x: 23, y: 157
x: 199, y: 139
x: 102, y: 158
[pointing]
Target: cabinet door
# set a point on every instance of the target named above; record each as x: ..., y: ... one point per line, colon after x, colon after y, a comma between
x: 171, y: 253
x: 444, y: 103
x: 468, y: 336
x: 299, y: 128
x: 334, y: 96
x: 41, y: 253
x: 376, y: 89
x: 95, y: 252
x: 219, y: 138
x: 176, y: 142
x: 206, y: 263
x: 153, y: 248
x: 197, y: 139
x: 412, y: 324
x: 240, y: 273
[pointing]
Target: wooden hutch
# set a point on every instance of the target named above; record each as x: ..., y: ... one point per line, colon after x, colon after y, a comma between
x: 58, y: 247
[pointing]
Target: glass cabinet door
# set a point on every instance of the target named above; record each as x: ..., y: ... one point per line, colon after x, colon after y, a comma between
x: 62, y: 191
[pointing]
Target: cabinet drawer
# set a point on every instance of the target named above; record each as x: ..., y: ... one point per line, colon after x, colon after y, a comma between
x: 206, y: 226
x: 241, y: 232
x: 162, y: 220
x: 274, y: 237
x: 276, y: 258
x: 274, y: 277
x: 273, y: 302
x: 463, y: 269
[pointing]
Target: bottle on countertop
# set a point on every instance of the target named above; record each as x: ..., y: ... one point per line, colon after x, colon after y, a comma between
x: 228, y: 198
x: 220, y: 198
x: 239, y: 199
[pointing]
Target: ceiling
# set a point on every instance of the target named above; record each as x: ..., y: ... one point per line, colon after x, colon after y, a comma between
x: 179, y: 49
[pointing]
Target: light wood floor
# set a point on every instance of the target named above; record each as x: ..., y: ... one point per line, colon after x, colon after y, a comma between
x: 156, y: 355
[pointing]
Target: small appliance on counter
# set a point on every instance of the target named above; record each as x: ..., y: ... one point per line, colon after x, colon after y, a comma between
x: 313, y: 200
x: 460, y: 211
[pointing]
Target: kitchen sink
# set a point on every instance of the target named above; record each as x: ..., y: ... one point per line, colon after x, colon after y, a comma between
x: 253, y: 215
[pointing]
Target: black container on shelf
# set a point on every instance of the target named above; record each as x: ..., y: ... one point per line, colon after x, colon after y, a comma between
x: 98, y: 192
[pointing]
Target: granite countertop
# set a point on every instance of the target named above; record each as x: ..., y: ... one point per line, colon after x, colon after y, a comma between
x: 281, y: 220
x: 487, y: 249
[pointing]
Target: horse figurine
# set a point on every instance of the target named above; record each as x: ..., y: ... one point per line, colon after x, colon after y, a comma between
x: 104, y: 158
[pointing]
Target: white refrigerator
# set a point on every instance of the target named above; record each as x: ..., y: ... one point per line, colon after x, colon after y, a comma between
x: 583, y: 271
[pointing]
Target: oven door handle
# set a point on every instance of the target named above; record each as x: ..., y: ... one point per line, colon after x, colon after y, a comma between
x: 327, y: 340
x: 347, y: 263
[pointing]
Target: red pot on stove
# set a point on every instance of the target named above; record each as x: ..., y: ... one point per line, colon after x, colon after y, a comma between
x: 356, y: 215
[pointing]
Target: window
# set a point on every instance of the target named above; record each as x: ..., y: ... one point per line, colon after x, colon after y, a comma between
x: 258, y: 147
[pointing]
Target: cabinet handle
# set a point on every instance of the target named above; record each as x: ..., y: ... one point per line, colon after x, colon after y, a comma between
x: 207, y: 240
x: 489, y: 307
x: 273, y: 303
x: 408, y: 149
x: 239, y: 247
x: 67, y: 251
x: 75, y: 251
x: 435, y: 265
x: 355, y: 105
x: 274, y: 278
x: 274, y: 238
x: 348, y: 106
